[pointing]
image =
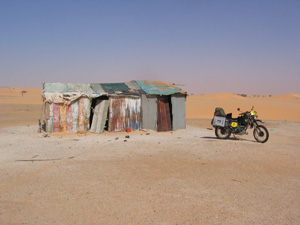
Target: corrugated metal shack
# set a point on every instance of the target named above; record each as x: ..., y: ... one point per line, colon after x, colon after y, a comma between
x: 97, y: 107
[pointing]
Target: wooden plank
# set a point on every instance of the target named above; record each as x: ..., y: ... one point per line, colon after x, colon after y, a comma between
x: 75, y: 116
x: 56, y: 116
x: 69, y: 118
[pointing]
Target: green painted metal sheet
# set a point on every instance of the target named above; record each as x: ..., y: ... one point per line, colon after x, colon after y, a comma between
x: 158, y: 88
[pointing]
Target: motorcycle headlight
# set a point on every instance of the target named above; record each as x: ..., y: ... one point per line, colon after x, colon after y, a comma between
x: 253, y: 112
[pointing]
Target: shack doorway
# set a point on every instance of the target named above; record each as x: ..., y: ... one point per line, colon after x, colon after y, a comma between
x: 99, y: 114
x: 164, y: 113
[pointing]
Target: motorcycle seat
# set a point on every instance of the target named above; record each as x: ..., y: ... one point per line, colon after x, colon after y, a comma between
x: 219, y: 112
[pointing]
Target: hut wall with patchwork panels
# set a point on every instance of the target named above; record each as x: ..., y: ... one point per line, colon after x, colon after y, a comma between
x: 115, y: 107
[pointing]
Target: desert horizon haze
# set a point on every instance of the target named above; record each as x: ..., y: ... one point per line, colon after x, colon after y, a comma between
x: 247, y: 47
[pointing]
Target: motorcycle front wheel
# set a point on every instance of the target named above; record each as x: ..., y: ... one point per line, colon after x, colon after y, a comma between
x: 222, y: 132
x: 261, y: 134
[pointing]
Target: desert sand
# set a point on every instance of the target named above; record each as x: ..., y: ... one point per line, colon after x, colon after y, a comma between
x: 180, y: 177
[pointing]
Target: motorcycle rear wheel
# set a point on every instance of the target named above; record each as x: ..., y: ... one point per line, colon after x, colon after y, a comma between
x: 222, y: 132
x: 261, y: 134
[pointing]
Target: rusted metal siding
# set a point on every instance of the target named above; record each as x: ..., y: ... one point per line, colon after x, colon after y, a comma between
x: 117, y: 112
x: 133, y: 116
x: 69, y: 118
x: 149, y: 109
x: 124, y: 112
x: 164, y: 121
x: 178, y: 111
x: 63, y: 117
x: 100, y: 116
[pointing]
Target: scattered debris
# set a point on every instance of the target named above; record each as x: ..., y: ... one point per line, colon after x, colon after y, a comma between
x: 127, y: 136
x: 81, y: 132
x: 147, y: 133
x: 125, y: 140
x: 44, y: 134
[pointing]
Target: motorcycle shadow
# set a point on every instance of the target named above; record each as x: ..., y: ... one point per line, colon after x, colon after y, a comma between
x: 234, y: 138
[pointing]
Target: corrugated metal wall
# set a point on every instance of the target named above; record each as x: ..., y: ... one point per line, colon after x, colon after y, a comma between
x: 73, y: 117
x: 178, y: 112
x: 164, y: 121
x: 149, y: 109
x: 124, y: 112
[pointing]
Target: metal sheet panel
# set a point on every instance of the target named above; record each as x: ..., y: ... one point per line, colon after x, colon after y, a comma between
x: 164, y: 122
x: 81, y: 114
x: 69, y: 118
x: 100, y: 116
x: 66, y: 87
x: 117, y: 113
x: 75, y: 116
x: 149, y: 109
x: 49, y: 117
x: 178, y: 112
x: 113, y: 87
x: 56, y: 115
x: 87, y: 113
x: 63, y: 118
x: 84, y: 105
x: 158, y: 87
x: 133, y: 118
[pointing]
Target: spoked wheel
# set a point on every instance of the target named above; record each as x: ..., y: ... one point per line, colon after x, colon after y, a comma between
x: 261, y: 134
x: 222, y: 132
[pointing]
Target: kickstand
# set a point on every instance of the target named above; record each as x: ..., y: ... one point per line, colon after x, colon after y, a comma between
x: 235, y: 137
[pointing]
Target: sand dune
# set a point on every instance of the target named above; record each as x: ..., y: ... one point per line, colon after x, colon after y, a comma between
x: 285, y: 107
x: 221, y: 96
x: 287, y: 96
x: 16, y: 109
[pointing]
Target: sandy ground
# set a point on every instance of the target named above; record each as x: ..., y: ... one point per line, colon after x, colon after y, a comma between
x: 181, y: 177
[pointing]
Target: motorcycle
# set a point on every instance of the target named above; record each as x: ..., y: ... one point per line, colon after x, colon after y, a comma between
x: 225, y: 125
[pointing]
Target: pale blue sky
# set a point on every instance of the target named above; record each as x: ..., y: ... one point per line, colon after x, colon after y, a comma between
x: 211, y: 46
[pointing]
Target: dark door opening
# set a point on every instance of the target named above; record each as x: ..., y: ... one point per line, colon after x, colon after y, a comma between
x: 98, y: 117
